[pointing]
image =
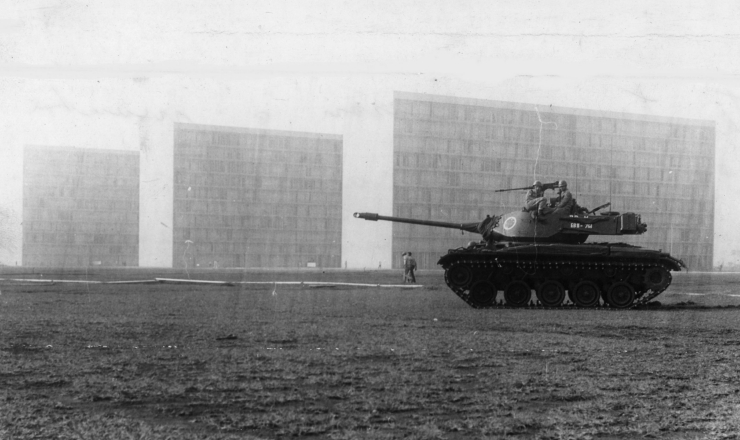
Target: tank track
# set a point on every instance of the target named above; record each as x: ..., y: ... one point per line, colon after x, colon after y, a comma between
x: 591, y: 283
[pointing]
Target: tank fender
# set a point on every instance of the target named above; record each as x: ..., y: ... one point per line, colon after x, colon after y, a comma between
x: 676, y: 264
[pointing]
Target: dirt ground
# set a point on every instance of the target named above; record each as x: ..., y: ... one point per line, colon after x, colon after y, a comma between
x: 175, y: 361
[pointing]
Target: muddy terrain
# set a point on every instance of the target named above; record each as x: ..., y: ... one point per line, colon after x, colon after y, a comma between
x: 178, y: 361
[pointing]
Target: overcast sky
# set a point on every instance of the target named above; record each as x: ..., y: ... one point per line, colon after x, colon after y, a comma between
x: 92, y: 74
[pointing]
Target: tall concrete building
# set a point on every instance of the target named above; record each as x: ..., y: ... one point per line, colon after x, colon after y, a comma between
x: 80, y: 207
x: 256, y: 198
x: 451, y: 153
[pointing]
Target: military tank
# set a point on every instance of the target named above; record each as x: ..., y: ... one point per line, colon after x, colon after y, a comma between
x: 521, y: 253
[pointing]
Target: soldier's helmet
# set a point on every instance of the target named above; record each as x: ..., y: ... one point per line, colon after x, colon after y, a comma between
x: 562, y: 184
x: 537, y: 183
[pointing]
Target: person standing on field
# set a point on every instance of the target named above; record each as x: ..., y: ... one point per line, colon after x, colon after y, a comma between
x: 404, y: 257
x: 409, y: 267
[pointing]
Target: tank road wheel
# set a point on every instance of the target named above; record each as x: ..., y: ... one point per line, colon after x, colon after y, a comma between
x: 517, y: 294
x: 460, y: 275
x: 586, y: 294
x: 620, y: 295
x: 551, y: 293
x: 657, y: 279
x: 483, y: 293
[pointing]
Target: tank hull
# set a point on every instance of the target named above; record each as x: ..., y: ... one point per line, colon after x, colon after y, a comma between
x: 588, y: 275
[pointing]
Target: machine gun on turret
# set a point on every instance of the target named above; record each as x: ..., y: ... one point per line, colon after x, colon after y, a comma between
x: 598, y: 208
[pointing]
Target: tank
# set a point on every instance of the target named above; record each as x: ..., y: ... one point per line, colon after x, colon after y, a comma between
x: 525, y: 260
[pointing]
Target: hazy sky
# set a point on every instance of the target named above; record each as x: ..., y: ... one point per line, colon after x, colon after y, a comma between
x: 113, y: 74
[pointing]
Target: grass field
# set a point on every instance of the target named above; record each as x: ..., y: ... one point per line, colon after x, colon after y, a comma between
x: 159, y: 361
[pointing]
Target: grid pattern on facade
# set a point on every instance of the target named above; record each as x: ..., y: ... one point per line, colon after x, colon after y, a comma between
x: 450, y: 154
x: 80, y: 207
x: 256, y: 198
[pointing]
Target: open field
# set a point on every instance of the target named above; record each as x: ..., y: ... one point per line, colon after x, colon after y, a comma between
x: 94, y: 361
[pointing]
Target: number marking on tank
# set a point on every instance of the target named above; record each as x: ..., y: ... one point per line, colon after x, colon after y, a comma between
x: 578, y: 225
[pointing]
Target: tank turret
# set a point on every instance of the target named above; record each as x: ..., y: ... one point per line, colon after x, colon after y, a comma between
x: 547, y: 254
x: 559, y: 226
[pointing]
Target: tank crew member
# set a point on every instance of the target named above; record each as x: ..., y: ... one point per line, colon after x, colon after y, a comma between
x: 535, y: 202
x: 565, y: 198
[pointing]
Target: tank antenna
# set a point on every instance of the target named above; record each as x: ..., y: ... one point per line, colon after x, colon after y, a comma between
x: 611, y: 173
x: 539, y: 142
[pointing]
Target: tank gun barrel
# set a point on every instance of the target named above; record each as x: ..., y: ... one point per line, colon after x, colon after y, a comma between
x: 545, y: 186
x: 468, y: 227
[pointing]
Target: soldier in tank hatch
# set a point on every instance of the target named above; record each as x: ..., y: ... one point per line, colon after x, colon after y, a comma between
x: 566, y: 201
x: 535, y: 202
x: 565, y: 198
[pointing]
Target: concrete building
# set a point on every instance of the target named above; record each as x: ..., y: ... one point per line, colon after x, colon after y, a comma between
x: 256, y: 198
x: 242, y: 197
x: 80, y: 207
x: 450, y: 154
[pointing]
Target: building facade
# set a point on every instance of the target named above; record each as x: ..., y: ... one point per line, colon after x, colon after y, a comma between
x: 256, y: 198
x: 451, y: 153
x: 80, y: 207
